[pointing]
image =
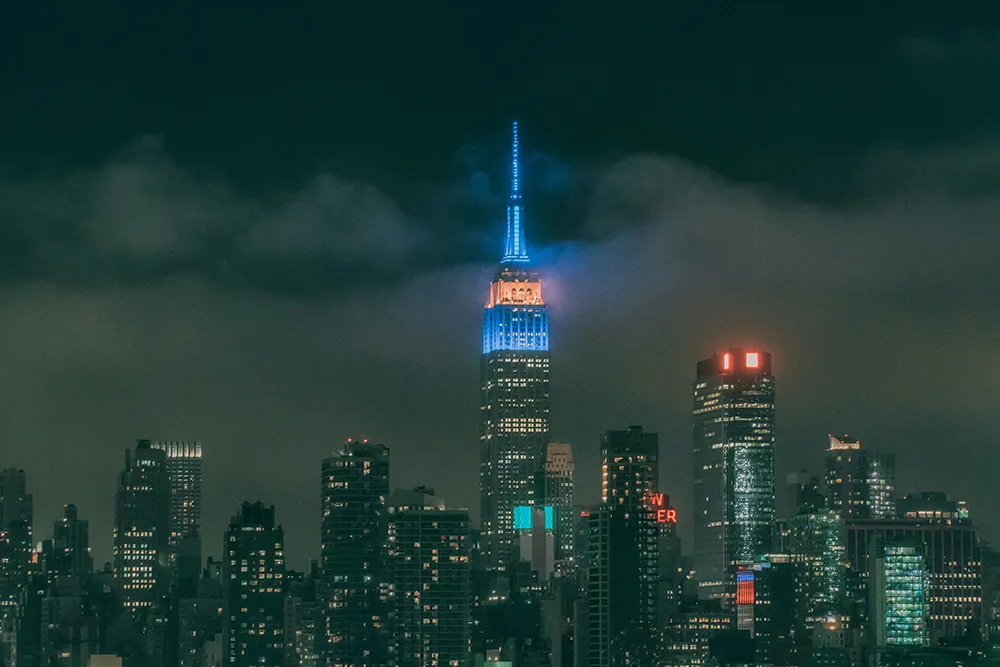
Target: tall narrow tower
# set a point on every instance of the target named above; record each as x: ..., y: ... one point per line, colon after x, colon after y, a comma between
x: 515, y: 386
x: 733, y: 467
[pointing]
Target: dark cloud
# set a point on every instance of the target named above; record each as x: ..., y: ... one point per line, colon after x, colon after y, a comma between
x: 882, y: 317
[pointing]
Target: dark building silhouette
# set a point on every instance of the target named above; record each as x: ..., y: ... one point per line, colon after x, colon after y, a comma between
x: 71, y: 542
x: 430, y: 581
x: 142, y: 528
x: 254, y: 588
x: 354, y: 549
x: 15, y: 553
x: 515, y: 388
x: 733, y: 467
x: 624, y: 594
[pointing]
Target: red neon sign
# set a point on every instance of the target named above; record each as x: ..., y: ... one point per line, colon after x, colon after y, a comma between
x: 664, y: 514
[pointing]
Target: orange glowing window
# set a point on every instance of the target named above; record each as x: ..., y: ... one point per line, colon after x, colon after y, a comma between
x: 753, y: 360
x: 726, y: 362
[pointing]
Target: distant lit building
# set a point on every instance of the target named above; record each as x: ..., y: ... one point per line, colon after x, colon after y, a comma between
x: 816, y: 550
x: 16, y: 520
x: 899, y: 594
x: 860, y: 484
x: 430, y: 581
x: 954, y: 561
x: 142, y: 527
x: 254, y: 588
x: 733, y: 466
x: 355, y: 490
x: 515, y: 387
x: 559, y: 470
x: 184, y: 469
x: 931, y: 505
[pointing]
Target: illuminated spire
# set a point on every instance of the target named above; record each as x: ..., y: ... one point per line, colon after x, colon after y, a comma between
x: 514, y: 249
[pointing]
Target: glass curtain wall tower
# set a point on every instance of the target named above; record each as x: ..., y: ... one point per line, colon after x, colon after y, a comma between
x: 515, y: 387
x: 733, y: 467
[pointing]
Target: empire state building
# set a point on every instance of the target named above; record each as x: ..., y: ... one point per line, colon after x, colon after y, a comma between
x: 515, y: 387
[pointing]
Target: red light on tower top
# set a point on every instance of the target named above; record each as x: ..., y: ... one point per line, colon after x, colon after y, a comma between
x: 753, y: 360
x: 727, y: 362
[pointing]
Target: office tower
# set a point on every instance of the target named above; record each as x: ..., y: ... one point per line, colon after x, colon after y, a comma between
x: 430, y: 579
x: 515, y: 386
x: 860, y: 484
x: 71, y: 542
x: 816, y: 550
x: 559, y: 494
x: 15, y: 501
x: 899, y: 593
x: 142, y: 527
x: 955, y: 563
x: 764, y: 604
x: 882, y: 485
x: 254, y: 588
x: 183, y: 459
x: 847, y: 478
x: 15, y: 535
x: 354, y: 542
x: 733, y: 466
x: 623, y: 582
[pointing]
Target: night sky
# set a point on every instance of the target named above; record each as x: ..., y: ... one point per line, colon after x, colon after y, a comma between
x: 271, y: 230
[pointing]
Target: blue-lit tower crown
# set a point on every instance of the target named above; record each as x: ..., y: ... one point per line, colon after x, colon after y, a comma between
x: 515, y: 390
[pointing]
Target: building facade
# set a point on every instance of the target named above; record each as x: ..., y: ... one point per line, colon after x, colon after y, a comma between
x: 353, y: 574
x: 859, y: 484
x: 559, y: 471
x: 430, y: 577
x: 733, y: 467
x: 899, y: 594
x: 623, y: 580
x: 71, y: 544
x: 954, y: 561
x: 142, y: 528
x: 515, y: 387
x: 254, y: 588
x: 184, y: 470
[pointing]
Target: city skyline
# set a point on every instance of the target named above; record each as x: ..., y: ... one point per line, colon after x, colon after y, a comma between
x: 264, y: 269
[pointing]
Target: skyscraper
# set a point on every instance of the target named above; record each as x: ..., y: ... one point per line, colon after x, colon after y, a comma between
x: 183, y: 460
x: 15, y: 554
x: 515, y: 386
x: 71, y: 542
x: 354, y: 547
x: 559, y: 494
x: 899, y: 594
x: 254, y: 588
x: 15, y: 501
x: 860, y: 484
x: 816, y: 541
x: 733, y: 466
x: 430, y: 577
x: 142, y: 527
x: 623, y: 583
